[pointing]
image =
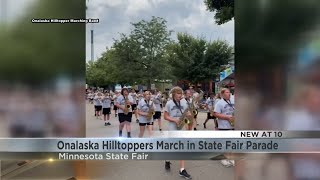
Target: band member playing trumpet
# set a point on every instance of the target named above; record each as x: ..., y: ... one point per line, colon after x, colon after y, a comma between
x: 146, y: 111
x: 210, y: 108
x: 174, y: 110
x: 124, y: 103
x: 106, y: 111
x: 224, y: 111
x: 157, y: 101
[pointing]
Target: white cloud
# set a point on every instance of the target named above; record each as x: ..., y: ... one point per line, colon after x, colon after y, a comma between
x: 136, y: 6
x: 182, y: 16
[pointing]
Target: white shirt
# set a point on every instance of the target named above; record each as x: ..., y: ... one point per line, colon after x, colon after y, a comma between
x: 97, y: 101
x: 106, y: 102
x: 144, y: 107
x: 175, y: 112
x: 134, y: 97
x: 210, y: 103
x: 121, y: 101
x: 222, y: 107
x: 157, y: 102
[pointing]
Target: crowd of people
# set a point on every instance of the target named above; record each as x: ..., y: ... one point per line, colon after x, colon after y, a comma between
x: 153, y: 106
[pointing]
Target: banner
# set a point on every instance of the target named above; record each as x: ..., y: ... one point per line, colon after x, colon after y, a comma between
x: 187, y: 145
x: 227, y: 72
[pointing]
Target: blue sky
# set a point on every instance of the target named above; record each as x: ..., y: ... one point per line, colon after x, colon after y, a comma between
x: 182, y: 16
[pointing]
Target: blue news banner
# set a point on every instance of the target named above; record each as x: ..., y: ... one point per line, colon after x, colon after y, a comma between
x: 165, y: 146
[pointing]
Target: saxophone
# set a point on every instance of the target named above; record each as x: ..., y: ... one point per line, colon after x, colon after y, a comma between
x: 183, y: 120
x: 127, y: 105
x: 193, y: 108
x: 151, y: 111
x: 232, y: 120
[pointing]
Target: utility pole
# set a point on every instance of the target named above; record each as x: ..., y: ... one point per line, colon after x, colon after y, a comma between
x: 92, y: 40
x: 92, y: 46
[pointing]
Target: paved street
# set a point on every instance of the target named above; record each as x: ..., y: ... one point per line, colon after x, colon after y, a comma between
x: 123, y: 170
x: 96, y: 128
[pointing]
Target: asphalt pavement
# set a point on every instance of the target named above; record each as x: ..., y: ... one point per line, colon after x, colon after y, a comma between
x: 146, y: 170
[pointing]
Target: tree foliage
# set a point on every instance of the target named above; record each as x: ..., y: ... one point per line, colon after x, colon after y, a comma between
x: 152, y: 37
x: 148, y: 53
x: 224, y: 10
x: 138, y: 57
x: 196, y: 60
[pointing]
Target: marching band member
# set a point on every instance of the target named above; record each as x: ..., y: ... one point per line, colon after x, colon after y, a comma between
x: 196, y: 97
x: 90, y: 97
x: 157, y: 101
x: 146, y: 109
x: 139, y: 97
x: 210, y: 107
x: 174, y: 110
x: 115, y: 108
x: 188, y: 101
x: 124, y: 103
x: 217, y: 99
x: 133, y: 94
x: 98, y: 105
x: 106, y: 111
x: 224, y: 111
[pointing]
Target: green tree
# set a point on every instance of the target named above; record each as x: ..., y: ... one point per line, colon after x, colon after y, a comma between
x: 96, y: 74
x: 196, y: 60
x: 224, y: 10
x: 151, y: 37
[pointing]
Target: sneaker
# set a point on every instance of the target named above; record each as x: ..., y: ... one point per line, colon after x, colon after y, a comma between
x: 115, y: 115
x: 194, y: 129
x: 167, y: 165
x: 108, y: 123
x: 226, y: 163
x: 184, y: 174
x: 204, y: 126
x: 137, y: 120
x: 105, y: 124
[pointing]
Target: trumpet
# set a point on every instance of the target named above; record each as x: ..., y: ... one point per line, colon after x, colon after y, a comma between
x: 151, y: 111
x: 184, y: 120
x: 127, y: 106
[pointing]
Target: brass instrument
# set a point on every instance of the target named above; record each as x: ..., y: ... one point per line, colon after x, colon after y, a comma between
x: 232, y: 120
x: 127, y: 105
x: 183, y: 120
x: 193, y: 108
x: 151, y: 112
